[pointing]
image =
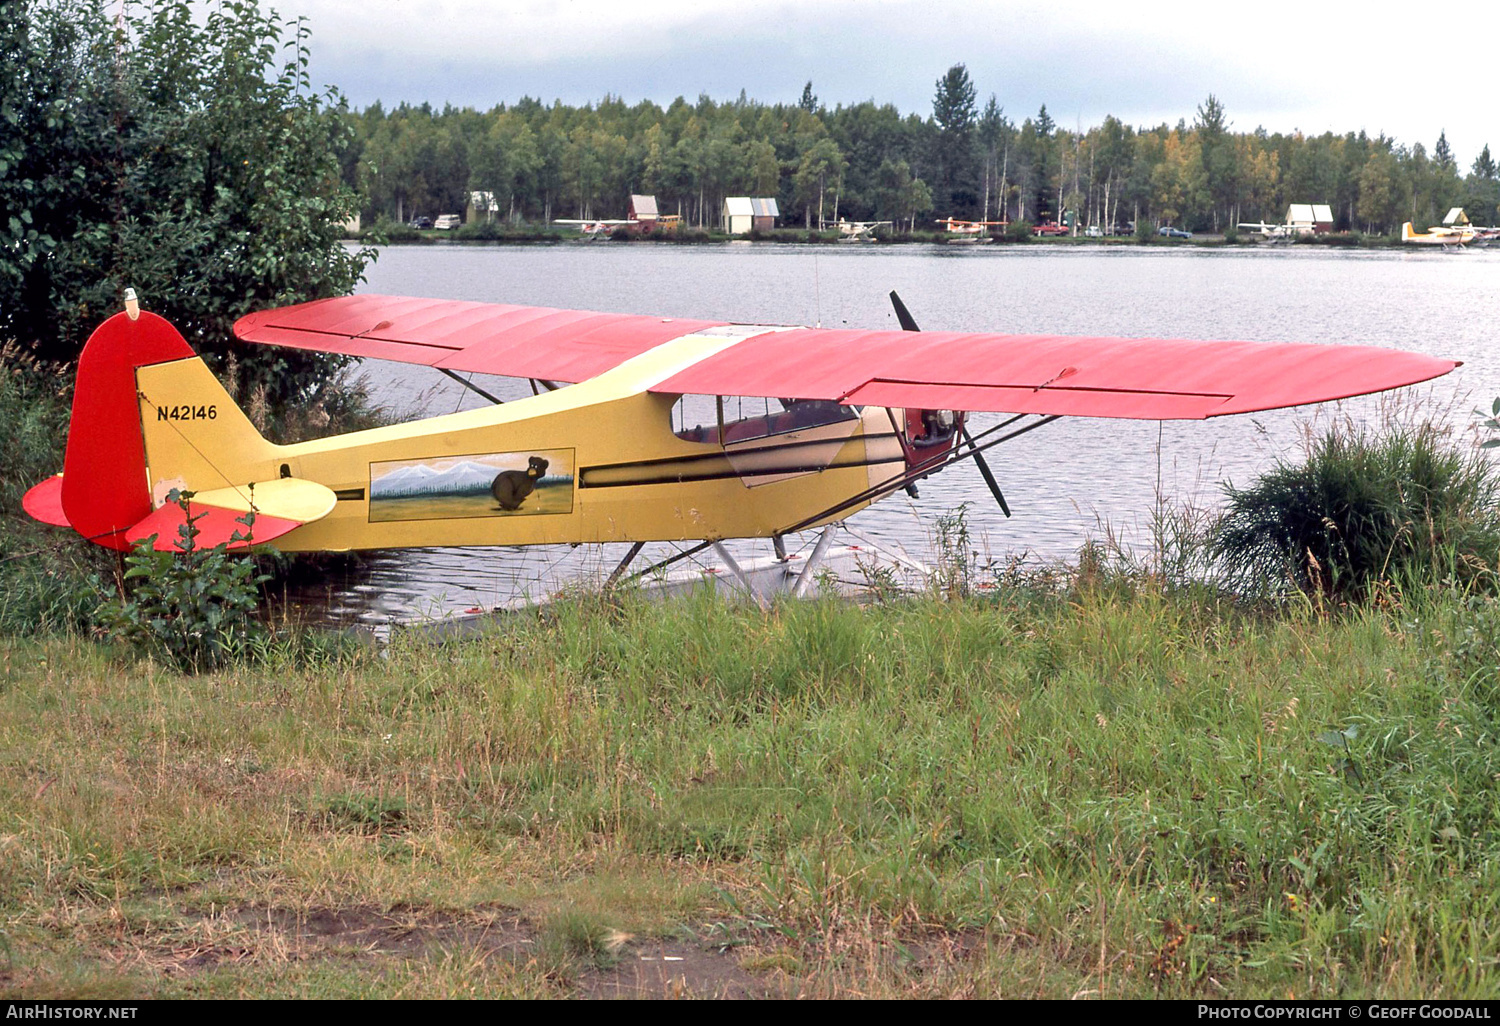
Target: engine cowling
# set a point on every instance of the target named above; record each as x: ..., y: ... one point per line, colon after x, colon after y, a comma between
x: 929, y: 435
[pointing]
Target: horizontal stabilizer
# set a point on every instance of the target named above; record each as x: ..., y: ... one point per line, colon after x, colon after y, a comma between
x: 280, y: 506
x: 44, y: 502
x: 217, y: 526
x: 289, y: 498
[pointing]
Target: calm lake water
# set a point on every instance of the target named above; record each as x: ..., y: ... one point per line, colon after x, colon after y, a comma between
x: 1064, y: 482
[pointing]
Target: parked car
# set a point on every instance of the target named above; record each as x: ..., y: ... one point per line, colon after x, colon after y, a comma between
x: 446, y: 221
x: 1093, y: 231
x: 420, y: 223
x: 1173, y: 233
x: 1050, y: 228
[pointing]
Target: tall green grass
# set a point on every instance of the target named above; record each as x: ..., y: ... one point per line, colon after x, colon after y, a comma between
x: 1056, y: 774
x: 1405, y: 499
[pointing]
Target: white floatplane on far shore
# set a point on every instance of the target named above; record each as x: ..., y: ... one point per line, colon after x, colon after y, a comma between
x: 1270, y: 231
x: 857, y: 231
x: 592, y: 226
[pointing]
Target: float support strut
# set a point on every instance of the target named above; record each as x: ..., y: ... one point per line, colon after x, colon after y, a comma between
x: 635, y: 550
x: 739, y: 574
x: 819, y: 550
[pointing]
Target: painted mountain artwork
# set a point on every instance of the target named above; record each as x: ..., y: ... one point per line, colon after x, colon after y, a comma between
x: 482, y: 485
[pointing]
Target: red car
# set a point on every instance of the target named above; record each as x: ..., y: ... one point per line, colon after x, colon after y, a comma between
x: 1050, y: 228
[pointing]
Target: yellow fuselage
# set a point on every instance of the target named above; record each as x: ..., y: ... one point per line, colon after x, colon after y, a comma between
x: 593, y: 462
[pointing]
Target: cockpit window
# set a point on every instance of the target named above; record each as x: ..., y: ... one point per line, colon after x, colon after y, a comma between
x: 695, y: 418
x: 732, y: 418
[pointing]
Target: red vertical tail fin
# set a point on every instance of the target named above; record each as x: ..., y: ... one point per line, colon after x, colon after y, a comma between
x: 105, y: 489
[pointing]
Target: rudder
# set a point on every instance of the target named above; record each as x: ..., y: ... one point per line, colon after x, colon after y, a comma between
x: 115, y: 458
x: 104, y: 487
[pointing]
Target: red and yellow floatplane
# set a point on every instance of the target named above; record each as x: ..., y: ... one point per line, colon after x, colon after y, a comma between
x: 640, y: 428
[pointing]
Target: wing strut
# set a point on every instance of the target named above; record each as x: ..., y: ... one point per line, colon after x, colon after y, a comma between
x: 879, y: 491
x: 471, y: 386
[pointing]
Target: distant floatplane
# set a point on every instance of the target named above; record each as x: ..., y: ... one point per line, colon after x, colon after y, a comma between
x: 1455, y: 232
x: 1301, y: 219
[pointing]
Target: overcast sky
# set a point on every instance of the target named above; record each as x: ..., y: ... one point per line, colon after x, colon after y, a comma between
x: 1310, y: 65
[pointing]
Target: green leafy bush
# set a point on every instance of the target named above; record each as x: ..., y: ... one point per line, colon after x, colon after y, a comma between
x: 34, y: 410
x: 499, y: 231
x: 176, y: 148
x: 1337, y: 239
x: 1491, y: 424
x: 195, y: 606
x: 1407, y: 501
x: 393, y: 231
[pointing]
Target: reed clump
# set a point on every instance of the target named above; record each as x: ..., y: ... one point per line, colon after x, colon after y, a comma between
x: 1365, y: 506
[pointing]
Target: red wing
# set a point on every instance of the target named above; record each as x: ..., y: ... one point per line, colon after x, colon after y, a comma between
x: 1151, y: 379
x: 487, y: 338
x: 1148, y: 379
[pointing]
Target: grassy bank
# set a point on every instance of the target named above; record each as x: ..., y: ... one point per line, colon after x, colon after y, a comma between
x: 1110, y: 791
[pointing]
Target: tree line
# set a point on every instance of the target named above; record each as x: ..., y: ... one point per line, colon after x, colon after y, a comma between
x: 868, y: 161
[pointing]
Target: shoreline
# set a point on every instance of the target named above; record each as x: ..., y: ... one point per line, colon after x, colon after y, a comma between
x: 784, y: 237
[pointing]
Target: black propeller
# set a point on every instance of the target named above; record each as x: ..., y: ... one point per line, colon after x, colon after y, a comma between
x: 903, y: 314
x: 989, y: 478
x: 909, y: 323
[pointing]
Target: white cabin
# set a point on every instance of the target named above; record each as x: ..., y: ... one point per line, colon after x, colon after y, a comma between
x: 749, y: 213
x: 1308, y: 218
x: 643, y: 209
